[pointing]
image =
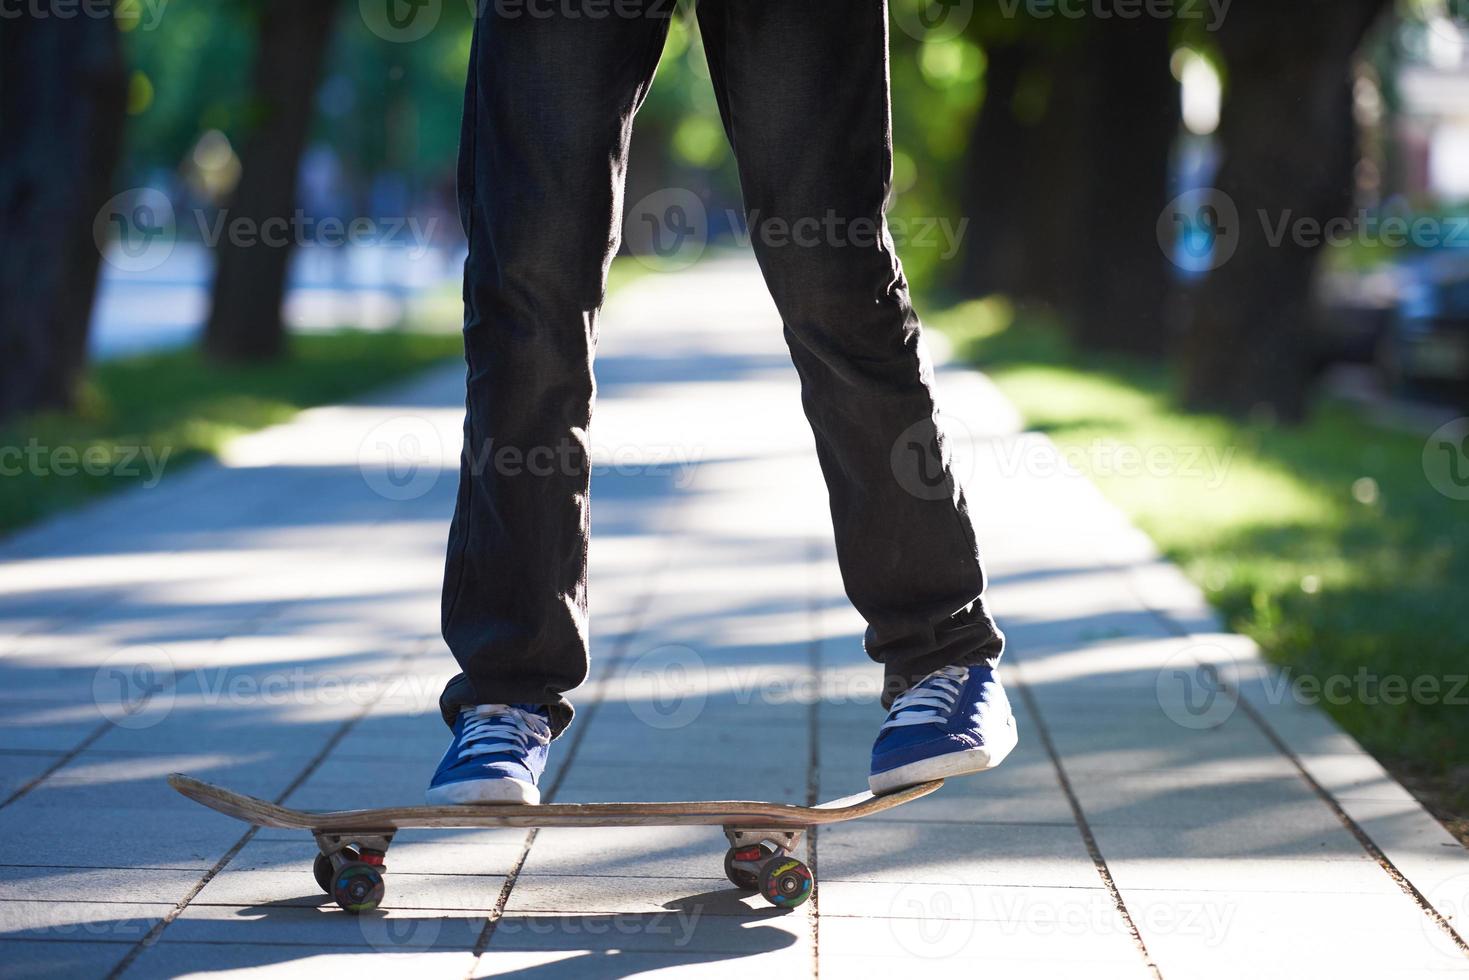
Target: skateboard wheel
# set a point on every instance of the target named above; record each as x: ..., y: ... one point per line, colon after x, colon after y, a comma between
x: 322, y: 868
x: 358, y: 887
x: 785, y: 882
x: 746, y: 880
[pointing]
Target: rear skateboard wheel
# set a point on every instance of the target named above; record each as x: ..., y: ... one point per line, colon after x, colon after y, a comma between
x: 358, y: 887
x: 745, y: 880
x: 322, y: 868
x: 785, y: 882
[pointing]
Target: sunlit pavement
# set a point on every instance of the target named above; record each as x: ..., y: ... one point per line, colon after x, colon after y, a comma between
x: 270, y: 624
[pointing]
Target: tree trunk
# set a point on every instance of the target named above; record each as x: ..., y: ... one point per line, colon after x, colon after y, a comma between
x: 1132, y: 117
x: 995, y: 161
x: 63, y: 99
x: 1020, y: 177
x: 1288, y: 136
x: 259, y: 228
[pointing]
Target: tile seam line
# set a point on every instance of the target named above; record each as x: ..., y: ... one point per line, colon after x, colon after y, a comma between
x: 1329, y: 799
x: 636, y: 626
x: 814, y: 555
x: 152, y: 936
x: 67, y: 759
x: 1083, y: 826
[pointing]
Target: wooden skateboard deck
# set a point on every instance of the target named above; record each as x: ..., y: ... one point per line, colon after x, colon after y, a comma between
x: 353, y: 843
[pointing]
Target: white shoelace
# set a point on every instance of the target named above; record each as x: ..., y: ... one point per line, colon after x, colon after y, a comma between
x: 490, y: 729
x: 929, y: 701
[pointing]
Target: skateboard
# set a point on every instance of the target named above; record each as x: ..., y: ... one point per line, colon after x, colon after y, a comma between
x: 354, y: 843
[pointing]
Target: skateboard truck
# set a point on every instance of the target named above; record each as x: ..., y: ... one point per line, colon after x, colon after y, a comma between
x: 350, y: 867
x: 760, y: 860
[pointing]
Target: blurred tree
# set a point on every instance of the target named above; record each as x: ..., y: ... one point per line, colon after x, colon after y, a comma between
x: 1067, y: 171
x: 994, y: 258
x: 1289, y: 142
x: 63, y: 98
x: 1131, y: 116
x: 254, y: 251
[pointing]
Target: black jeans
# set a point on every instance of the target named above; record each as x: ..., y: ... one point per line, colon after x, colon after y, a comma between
x: 803, y: 89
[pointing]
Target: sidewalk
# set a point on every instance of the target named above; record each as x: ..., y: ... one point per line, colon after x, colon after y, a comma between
x: 270, y: 624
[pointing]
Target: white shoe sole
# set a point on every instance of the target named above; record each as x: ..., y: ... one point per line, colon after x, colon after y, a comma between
x: 946, y: 766
x: 483, y: 791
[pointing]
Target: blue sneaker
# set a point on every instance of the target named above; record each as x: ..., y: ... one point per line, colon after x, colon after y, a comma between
x: 497, y: 756
x: 953, y: 722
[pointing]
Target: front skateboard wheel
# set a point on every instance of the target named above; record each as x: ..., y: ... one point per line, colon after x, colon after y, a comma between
x: 358, y: 887
x: 322, y: 867
x: 785, y: 882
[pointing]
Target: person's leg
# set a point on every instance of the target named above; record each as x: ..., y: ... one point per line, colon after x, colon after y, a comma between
x: 547, y: 117
x: 804, y: 93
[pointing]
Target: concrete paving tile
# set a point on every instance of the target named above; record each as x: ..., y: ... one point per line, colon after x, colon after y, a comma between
x: 862, y: 966
x: 47, y: 726
x: 621, y: 895
x: 954, y: 895
x: 18, y: 769
x: 118, y: 804
x: 116, y: 884
x: 472, y: 852
x: 1078, y: 939
x: 29, y: 959
x: 70, y: 837
x: 1309, y: 929
x: 169, y: 960
x: 299, y: 888
x: 894, y: 851
x: 616, y: 965
x: 667, y: 852
x: 598, y: 782
x: 679, y: 930
x: 353, y: 784
x: 1141, y: 866
x: 277, y: 924
x: 74, y: 920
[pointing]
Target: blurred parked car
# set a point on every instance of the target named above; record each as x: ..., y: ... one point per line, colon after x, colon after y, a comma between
x: 1356, y: 311
x: 1425, y: 349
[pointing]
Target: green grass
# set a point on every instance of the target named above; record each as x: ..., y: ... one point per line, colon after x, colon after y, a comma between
x: 1325, y: 543
x: 140, y: 415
